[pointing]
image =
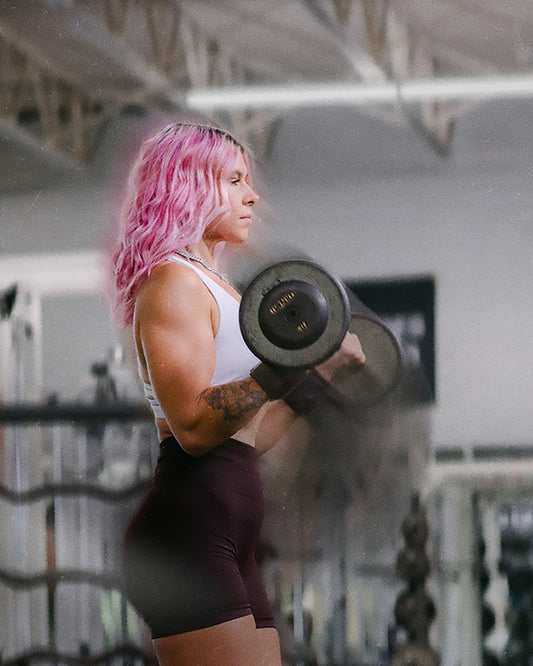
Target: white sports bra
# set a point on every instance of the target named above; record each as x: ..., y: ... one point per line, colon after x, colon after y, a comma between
x: 233, y: 358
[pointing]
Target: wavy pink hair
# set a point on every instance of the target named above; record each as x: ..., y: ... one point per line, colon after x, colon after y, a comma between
x: 174, y: 192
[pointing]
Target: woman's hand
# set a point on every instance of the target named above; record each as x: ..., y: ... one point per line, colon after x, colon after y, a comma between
x: 350, y: 357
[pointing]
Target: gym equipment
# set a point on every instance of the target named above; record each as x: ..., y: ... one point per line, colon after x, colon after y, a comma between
x: 382, y: 371
x: 414, y: 609
x: 412, y: 654
x: 295, y: 314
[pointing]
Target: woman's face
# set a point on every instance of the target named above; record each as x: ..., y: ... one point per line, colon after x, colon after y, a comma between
x: 234, y: 227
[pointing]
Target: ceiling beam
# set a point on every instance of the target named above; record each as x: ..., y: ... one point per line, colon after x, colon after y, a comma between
x: 80, y: 27
x: 362, y: 63
x: 12, y: 132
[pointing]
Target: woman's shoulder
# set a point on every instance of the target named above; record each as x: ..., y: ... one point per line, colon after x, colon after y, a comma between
x: 170, y: 285
x: 169, y: 275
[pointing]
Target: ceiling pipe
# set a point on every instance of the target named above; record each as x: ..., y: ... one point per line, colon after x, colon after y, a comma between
x: 361, y: 94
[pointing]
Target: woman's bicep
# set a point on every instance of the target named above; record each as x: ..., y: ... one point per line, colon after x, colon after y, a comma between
x: 178, y: 348
x: 180, y: 364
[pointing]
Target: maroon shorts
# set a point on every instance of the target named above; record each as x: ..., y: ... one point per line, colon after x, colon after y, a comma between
x: 189, y: 552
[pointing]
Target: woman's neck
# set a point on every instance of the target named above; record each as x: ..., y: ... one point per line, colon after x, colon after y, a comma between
x: 204, y: 251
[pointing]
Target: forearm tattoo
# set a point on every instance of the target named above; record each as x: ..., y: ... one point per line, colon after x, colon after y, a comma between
x: 235, y: 400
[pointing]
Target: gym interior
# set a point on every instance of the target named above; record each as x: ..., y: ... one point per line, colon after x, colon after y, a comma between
x: 393, y: 146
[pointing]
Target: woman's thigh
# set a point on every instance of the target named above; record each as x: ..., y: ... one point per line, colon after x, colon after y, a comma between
x: 233, y: 643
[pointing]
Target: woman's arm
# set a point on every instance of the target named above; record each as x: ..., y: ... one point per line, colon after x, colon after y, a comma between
x: 175, y: 320
x: 274, y: 421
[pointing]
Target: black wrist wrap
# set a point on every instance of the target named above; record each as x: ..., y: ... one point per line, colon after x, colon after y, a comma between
x: 306, y: 395
x: 276, y: 382
x: 300, y: 389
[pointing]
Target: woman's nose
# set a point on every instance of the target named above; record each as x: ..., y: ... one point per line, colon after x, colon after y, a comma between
x: 251, y: 197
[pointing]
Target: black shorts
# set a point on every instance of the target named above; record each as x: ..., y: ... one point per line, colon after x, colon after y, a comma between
x: 189, y: 552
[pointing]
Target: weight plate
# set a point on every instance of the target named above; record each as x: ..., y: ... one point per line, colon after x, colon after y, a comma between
x: 314, y: 320
x: 293, y: 315
x: 382, y: 370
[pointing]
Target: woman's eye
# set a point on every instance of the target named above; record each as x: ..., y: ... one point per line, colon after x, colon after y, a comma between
x: 235, y: 181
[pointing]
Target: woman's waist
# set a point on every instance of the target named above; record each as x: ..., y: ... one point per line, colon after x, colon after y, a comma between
x: 245, y: 435
x: 231, y: 465
x: 234, y: 449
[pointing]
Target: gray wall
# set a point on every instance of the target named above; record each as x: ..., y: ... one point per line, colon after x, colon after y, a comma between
x: 372, y: 200
x: 369, y: 199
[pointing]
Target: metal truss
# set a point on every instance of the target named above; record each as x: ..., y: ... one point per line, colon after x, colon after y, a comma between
x: 149, y: 54
x: 154, y: 53
x: 370, y: 34
x: 394, y: 52
x: 43, y: 111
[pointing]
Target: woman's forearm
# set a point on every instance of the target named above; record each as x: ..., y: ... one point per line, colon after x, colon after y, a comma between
x: 222, y: 411
x: 237, y: 402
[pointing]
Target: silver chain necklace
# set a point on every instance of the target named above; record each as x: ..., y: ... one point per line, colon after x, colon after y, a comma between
x: 194, y: 257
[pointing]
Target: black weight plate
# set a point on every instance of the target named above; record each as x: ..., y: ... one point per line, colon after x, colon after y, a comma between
x: 293, y: 314
x: 382, y: 370
x: 326, y: 333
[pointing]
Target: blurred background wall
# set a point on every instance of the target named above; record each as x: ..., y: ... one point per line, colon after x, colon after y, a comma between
x: 370, y: 201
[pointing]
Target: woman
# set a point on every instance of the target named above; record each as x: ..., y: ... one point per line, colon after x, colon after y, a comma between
x: 189, y: 564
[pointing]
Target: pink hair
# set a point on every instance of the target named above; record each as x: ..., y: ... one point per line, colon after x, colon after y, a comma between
x: 174, y: 193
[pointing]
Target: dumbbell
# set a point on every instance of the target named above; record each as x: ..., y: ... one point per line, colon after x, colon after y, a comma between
x: 295, y: 314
